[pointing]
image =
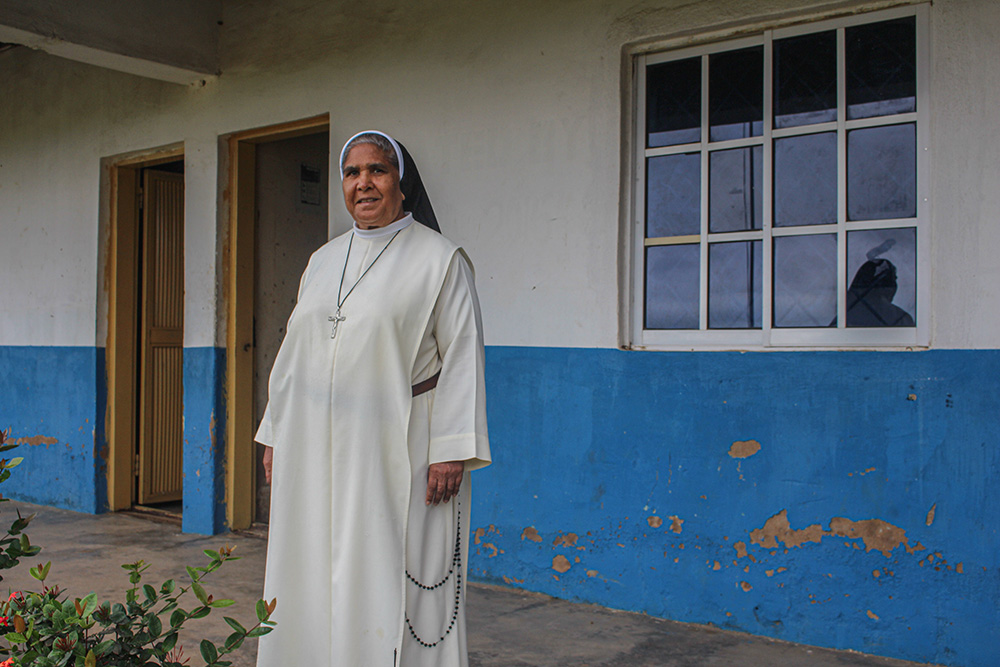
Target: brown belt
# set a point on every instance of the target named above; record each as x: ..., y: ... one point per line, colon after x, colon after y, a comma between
x: 426, y: 385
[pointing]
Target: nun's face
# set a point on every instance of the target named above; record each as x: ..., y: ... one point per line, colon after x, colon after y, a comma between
x: 371, y: 187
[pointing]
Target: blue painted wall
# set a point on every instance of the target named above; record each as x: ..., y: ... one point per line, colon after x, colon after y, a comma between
x: 616, y: 481
x: 204, y: 440
x: 53, y: 400
x: 844, y: 499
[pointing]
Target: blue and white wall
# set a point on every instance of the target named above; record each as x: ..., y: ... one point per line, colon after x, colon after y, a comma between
x: 843, y: 499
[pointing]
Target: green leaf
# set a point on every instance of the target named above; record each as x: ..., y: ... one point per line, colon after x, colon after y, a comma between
x: 170, y: 641
x: 208, y: 651
x: 168, y: 587
x: 15, y: 638
x: 149, y: 592
x: 90, y: 660
x: 89, y: 605
x: 104, y: 647
x: 222, y: 603
x: 193, y: 573
x: 199, y: 592
x: 177, y: 618
x: 154, y: 624
x: 259, y: 631
x: 214, y: 555
x: 234, y: 641
x: 201, y: 612
x: 234, y: 624
x: 261, y: 610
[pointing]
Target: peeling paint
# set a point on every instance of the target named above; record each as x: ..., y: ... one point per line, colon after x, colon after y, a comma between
x: 746, y: 586
x: 530, y: 533
x: 741, y: 549
x: 654, y: 521
x: 676, y: 523
x: 491, y: 546
x: 877, y: 535
x: 561, y: 564
x: 567, y: 540
x: 742, y: 449
x: 872, y: 615
x: 482, y: 531
x: 592, y: 573
x: 930, y: 514
x: 36, y: 440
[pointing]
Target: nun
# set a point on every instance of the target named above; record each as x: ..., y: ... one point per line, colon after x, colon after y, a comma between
x: 376, y: 416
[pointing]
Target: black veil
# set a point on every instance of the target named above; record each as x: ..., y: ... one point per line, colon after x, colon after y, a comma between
x: 415, y: 196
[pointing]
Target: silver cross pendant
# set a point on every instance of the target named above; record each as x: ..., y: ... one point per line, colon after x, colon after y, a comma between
x: 336, y: 319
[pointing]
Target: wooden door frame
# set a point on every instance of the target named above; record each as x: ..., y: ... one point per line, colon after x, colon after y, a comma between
x: 240, y: 451
x: 122, y: 356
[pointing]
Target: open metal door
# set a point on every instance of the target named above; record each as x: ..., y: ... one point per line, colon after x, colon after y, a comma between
x: 161, y: 402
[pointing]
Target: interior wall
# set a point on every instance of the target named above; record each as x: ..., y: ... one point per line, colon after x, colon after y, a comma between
x: 288, y: 230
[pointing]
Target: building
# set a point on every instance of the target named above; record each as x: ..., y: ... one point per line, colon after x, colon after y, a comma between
x: 737, y: 260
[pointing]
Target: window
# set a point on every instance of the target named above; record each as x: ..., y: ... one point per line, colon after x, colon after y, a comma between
x: 779, y: 197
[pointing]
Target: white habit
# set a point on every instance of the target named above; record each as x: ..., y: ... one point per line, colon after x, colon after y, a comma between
x: 354, y: 556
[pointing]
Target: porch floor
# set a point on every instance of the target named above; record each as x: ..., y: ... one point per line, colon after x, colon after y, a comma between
x: 507, y: 628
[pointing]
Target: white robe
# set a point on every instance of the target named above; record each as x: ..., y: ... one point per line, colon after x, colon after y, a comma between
x: 351, y: 453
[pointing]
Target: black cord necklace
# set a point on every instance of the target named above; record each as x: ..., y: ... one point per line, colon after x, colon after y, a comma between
x: 338, y: 318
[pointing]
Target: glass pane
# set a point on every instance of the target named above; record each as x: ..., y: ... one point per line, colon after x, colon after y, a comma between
x: 882, y: 268
x: 882, y: 172
x: 673, y: 103
x: 673, y: 195
x: 734, y: 189
x: 672, y: 291
x: 805, y: 180
x: 734, y: 280
x: 805, y: 281
x: 736, y: 94
x: 882, y: 68
x: 805, y: 79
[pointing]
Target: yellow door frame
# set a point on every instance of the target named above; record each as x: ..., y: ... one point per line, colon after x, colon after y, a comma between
x: 123, y: 313
x: 239, y: 292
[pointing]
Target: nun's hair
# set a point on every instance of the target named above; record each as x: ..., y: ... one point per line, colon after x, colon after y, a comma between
x: 376, y: 140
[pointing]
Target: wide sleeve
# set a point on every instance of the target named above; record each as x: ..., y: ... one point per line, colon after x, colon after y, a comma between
x: 264, y: 431
x: 458, y: 414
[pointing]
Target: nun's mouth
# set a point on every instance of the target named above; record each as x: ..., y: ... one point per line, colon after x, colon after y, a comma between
x: 367, y: 200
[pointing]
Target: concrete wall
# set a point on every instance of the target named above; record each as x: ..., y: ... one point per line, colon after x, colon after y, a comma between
x: 515, y: 117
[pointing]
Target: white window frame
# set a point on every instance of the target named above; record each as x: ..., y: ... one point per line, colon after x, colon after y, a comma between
x: 769, y: 337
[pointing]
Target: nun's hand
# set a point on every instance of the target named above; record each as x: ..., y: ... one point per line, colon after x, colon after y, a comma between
x: 443, y: 481
x: 268, y: 461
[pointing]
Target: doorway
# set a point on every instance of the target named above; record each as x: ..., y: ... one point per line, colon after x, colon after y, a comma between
x: 279, y: 177
x: 146, y: 333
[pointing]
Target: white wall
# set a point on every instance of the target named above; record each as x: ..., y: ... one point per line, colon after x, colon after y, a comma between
x: 513, y: 115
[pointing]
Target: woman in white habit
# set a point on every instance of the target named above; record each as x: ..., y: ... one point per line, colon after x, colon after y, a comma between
x: 376, y: 416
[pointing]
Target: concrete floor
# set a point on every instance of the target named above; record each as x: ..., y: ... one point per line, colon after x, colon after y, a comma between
x: 507, y: 628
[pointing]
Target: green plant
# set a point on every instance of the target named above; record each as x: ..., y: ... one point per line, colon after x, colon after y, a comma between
x: 47, y: 629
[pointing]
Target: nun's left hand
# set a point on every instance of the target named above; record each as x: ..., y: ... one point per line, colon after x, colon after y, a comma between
x: 443, y: 481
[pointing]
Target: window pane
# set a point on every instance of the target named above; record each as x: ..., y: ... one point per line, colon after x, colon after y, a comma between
x: 882, y: 172
x: 673, y: 195
x: 734, y: 189
x: 805, y: 281
x: 881, y: 68
x: 881, y: 265
x: 734, y: 280
x: 672, y: 291
x: 736, y: 94
x: 805, y: 180
x: 805, y: 79
x: 673, y: 103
